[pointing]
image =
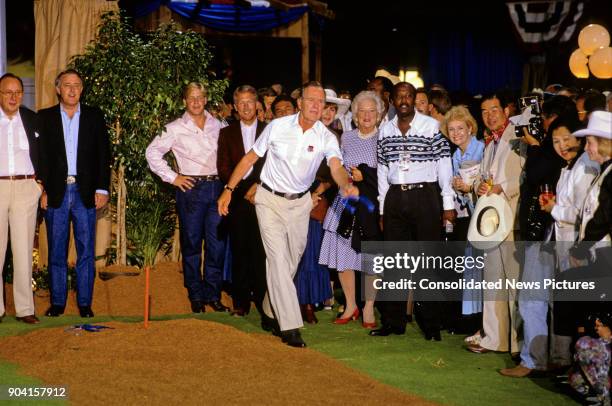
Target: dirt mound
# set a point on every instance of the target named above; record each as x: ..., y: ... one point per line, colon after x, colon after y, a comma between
x: 124, y: 295
x: 190, y: 362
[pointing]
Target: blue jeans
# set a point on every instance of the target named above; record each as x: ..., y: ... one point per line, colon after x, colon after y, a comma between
x: 58, y: 230
x: 199, y: 220
x: 533, y: 306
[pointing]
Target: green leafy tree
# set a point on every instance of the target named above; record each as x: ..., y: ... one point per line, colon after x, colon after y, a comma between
x: 137, y: 81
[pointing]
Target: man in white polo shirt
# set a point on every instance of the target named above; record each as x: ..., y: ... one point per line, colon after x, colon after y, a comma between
x: 296, y: 145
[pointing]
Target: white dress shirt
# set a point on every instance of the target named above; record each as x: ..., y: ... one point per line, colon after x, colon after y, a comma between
x: 195, y: 149
x: 571, y: 192
x: 426, y: 154
x: 14, y: 147
x: 294, y: 156
x: 248, y: 138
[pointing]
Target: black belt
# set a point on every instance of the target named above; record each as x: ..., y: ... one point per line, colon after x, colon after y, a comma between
x: 288, y: 196
x: 17, y: 177
x: 412, y: 186
x: 204, y: 178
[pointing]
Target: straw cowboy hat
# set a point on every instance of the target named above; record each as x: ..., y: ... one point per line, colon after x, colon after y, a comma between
x: 343, y: 104
x: 600, y: 125
x: 491, y: 222
x: 385, y: 73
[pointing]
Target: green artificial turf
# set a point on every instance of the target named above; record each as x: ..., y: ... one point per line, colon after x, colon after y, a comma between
x: 443, y: 372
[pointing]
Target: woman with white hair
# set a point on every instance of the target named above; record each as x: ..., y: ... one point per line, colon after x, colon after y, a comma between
x: 344, y: 231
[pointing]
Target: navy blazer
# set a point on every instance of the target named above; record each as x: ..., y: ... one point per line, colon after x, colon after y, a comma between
x: 28, y: 118
x: 93, y: 155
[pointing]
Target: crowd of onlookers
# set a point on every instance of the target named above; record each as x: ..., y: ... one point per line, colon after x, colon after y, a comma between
x: 424, y: 158
x: 566, y: 150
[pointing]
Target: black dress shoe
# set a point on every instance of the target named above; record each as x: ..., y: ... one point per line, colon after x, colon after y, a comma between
x: 293, y: 338
x: 433, y: 336
x: 197, y: 306
x: 85, y: 311
x: 218, y: 306
x: 54, y: 311
x: 270, y: 324
x: 387, y: 330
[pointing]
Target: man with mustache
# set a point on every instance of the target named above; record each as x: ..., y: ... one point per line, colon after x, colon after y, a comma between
x: 75, y: 172
x: 414, y: 176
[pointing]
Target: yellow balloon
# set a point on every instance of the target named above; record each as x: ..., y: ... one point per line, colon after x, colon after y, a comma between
x: 578, y: 64
x: 593, y: 37
x: 600, y: 63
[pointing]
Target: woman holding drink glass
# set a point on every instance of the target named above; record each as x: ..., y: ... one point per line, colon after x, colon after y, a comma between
x: 459, y: 126
x: 564, y: 207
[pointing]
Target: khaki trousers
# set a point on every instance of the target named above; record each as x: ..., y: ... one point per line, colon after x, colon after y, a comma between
x: 283, y: 225
x: 499, y: 312
x: 18, y: 208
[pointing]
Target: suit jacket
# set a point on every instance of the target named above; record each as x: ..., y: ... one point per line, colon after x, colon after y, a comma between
x: 506, y: 166
x: 93, y: 155
x: 28, y: 118
x: 231, y: 150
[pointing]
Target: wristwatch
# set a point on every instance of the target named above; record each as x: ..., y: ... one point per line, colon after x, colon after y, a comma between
x: 226, y: 187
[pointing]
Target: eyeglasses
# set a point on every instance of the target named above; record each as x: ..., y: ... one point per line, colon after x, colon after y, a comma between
x: 11, y: 94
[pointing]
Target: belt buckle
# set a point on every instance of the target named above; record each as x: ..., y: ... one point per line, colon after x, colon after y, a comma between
x: 291, y: 196
x: 70, y: 180
x: 405, y: 187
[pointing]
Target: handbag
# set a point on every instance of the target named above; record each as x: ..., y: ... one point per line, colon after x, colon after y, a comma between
x: 319, y: 212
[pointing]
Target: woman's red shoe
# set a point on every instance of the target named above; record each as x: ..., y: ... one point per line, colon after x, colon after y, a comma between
x: 341, y: 320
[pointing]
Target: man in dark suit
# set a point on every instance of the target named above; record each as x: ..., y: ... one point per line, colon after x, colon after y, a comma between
x: 248, y: 255
x: 19, y: 193
x: 75, y: 172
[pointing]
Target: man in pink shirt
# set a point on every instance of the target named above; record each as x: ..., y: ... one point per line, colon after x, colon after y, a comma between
x: 193, y: 140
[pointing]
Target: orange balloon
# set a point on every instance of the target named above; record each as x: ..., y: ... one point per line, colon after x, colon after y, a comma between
x: 593, y: 37
x: 578, y: 64
x: 600, y: 63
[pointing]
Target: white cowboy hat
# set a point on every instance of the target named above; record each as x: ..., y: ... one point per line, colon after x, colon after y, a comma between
x: 600, y: 125
x: 343, y: 104
x: 385, y: 73
x: 491, y: 222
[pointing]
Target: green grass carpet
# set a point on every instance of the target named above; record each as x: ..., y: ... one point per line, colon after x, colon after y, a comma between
x: 443, y: 371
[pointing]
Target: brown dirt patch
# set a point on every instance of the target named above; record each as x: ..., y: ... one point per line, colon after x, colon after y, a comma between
x: 190, y: 362
x: 124, y: 295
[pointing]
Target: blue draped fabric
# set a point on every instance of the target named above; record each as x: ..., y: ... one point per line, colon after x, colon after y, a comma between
x: 474, y: 62
x: 226, y: 17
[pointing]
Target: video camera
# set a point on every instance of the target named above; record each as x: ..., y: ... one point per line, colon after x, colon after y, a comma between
x: 530, y: 118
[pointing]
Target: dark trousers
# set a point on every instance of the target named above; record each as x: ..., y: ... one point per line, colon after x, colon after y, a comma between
x: 248, y: 255
x: 199, y: 221
x: 411, y: 215
x: 58, y: 230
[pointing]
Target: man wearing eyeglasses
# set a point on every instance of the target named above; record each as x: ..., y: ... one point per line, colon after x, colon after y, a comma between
x: 75, y: 171
x: 193, y: 139
x: 19, y: 193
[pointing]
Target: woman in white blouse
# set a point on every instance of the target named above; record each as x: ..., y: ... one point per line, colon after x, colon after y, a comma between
x: 572, y: 186
x: 565, y: 209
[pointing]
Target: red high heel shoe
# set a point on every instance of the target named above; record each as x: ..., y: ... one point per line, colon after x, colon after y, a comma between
x: 367, y: 325
x: 354, y: 316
